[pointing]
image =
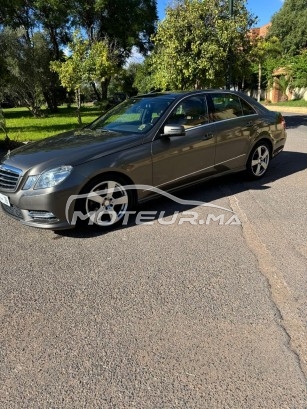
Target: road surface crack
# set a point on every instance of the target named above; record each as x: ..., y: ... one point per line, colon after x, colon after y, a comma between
x: 282, y: 297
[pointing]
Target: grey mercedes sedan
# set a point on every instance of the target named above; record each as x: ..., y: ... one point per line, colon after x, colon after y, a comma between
x: 163, y: 140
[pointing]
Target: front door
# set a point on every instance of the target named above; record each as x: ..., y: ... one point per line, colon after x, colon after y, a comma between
x: 181, y: 159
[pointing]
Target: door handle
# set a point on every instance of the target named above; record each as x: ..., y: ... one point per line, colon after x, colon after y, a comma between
x: 250, y: 123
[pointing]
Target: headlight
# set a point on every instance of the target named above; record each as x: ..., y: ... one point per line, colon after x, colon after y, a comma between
x: 49, y: 178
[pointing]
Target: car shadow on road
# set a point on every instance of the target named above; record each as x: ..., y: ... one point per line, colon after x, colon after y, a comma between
x: 294, y: 121
x: 285, y: 164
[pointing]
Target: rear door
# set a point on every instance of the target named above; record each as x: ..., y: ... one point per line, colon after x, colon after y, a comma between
x: 235, y: 122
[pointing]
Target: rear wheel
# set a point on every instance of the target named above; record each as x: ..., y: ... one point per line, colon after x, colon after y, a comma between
x: 106, y: 201
x: 259, y: 160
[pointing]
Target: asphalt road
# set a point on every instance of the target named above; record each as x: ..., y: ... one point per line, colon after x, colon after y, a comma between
x: 165, y: 316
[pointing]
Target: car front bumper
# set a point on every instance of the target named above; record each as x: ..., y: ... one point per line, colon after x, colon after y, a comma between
x: 45, y: 208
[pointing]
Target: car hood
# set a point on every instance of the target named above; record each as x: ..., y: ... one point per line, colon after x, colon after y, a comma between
x: 70, y: 148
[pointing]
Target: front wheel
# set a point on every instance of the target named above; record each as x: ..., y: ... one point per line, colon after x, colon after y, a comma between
x: 259, y: 160
x: 107, y: 201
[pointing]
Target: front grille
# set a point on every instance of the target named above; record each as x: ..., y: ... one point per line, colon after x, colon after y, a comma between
x: 9, y: 177
x: 13, y: 211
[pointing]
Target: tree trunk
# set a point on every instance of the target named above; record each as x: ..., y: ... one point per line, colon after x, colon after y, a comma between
x: 36, y: 111
x: 104, y: 88
x: 98, y: 96
x: 54, y: 41
x: 78, y: 102
x: 259, y: 82
x: 51, y: 101
x: 3, y: 125
x: 197, y: 84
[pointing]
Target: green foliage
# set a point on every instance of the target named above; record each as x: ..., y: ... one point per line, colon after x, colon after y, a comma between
x: 271, y: 63
x: 126, y: 23
x: 118, y: 24
x: 26, y: 68
x: 52, y: 16
x: 264, y: 50
x: 86, y: 63
x: 52, y: 20
x: 299, y: 70
x: 123, y: 81
x: 196, y: 41
x: 99, y: 62
x: 144, y: 77
x: 72, y: 71
x: 295, y: 104
x: 289, y: 25
x: 294, y: 66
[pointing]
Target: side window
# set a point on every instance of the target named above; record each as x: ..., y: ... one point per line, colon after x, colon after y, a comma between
x: 190, y: 112
x: 247, y: 109
x: 226, y: 106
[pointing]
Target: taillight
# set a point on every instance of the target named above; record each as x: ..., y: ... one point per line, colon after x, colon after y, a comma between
x: 282, y: 121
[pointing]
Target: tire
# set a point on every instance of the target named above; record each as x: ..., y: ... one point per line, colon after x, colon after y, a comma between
x: 259, y: 160
x: 108, y: 208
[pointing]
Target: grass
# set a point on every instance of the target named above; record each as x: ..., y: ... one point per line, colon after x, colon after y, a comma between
x: 22, y: 126
x: 297, y: 103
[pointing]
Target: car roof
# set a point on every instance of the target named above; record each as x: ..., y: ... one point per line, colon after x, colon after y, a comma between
x: 176, y: 94
x: 180, y: 94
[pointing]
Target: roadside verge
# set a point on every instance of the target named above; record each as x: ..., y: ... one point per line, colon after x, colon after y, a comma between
x: 280, y: 108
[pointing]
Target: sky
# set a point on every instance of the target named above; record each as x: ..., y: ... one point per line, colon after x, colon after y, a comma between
x: 263, y: 9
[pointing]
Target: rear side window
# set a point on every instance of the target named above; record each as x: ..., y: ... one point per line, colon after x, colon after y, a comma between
x: 247, y: 109
x: 229, y: 106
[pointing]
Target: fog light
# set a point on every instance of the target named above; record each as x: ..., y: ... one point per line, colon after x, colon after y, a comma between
x: 41, y: 215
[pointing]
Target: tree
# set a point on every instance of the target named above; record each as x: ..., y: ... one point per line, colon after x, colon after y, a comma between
x: 128, y: 23
x: 17, y: 14
x: 72, y: 71
x: 3, y: 127
x: 123, y: 23
x: 289, y: 25
x: 262, y: 50
x: 120, y: 24
x: 123, y: 80
x: 144, y: 76
x: 86, y: 63
x: 52, y: 20
x: 195, y: 42
x: 26, y: 67
x: 299, y: 70
x: 53, y: 17
x: 293, y: 69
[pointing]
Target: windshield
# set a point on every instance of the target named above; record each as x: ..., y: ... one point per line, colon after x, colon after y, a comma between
x: 136, y: 115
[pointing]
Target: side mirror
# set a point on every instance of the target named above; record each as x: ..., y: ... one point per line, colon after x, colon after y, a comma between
x: 174, y: 130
